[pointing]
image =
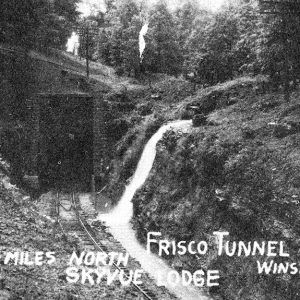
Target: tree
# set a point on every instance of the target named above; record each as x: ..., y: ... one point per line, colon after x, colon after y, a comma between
x: 57, y: 18
x: 281, y: 52
x: 225, y: 44
x: 250, y: 35
x: 212, y: 59
x: 162, y: 52
x: 118, y: 41
x: 37, y: 23
x: 18, y: 21
x: 131, y: 58
x: 185, y: 17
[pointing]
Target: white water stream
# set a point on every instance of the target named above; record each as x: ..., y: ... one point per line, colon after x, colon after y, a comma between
x: 119, y: 220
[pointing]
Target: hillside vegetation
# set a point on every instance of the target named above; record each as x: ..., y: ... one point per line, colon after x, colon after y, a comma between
x: 234, y: 72
x: 238, y: 172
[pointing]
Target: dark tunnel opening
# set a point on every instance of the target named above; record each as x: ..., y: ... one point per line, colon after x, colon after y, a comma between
x: 66, y: 143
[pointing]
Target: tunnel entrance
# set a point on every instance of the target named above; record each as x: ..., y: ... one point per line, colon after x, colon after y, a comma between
x: 65, y: 159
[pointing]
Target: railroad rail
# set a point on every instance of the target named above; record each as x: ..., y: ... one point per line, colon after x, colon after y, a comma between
x: 87, y: 233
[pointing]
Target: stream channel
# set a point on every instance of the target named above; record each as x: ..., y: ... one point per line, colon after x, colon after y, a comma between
x: 118, y: 220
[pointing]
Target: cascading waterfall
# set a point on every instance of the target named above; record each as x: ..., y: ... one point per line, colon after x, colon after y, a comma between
x: 119, y: 219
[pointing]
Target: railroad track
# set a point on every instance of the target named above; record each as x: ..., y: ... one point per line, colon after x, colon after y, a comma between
x: 88, y: 236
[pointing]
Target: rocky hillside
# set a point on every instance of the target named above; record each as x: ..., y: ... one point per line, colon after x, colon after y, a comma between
x: 23, y: 229
x: 236, y: 171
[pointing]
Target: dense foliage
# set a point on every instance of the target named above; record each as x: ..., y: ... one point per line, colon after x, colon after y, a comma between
x: 237, y: 174
x: 37, y: 23
x: 204, y: 46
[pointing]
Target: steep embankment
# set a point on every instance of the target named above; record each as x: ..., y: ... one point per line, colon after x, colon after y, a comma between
x: 237, y: 172
x: 130, y: 130
x: 24, y: 230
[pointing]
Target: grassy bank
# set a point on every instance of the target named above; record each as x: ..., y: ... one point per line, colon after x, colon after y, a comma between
x: 152, y: 107
x: 238, y: 173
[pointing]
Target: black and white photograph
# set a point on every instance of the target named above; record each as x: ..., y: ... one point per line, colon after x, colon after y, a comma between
x: 149, y: 150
